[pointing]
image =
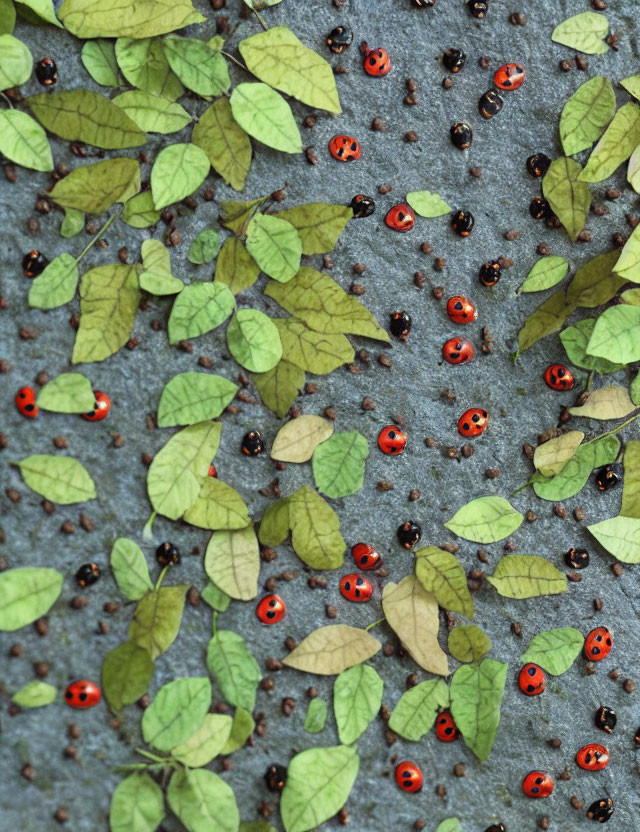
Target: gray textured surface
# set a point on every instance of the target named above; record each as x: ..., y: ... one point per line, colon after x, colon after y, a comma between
x: 521, y: 407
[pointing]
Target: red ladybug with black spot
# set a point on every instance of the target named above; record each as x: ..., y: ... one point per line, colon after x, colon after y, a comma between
x: 82, y: 694
x: 400, y: 218
x: 593, y: 757
x: 26, y: 402
x: 392, y: 440
x: 598, y: 644
x: 101, y: 407
x: 458, y: 351
x: 212, y: 471
x: 509, y: 77
x: 538, y: 784
x: 366, y: 557
x: 558, y: 377
x: 355, y: 588
x: 473, y: 422
x: 376, y: 61
x: 446, y: 730
x: 271, y: 609
x: 461, y: 310
x: 532, y: 680
x: 409, y: 776
x: 345, y: 148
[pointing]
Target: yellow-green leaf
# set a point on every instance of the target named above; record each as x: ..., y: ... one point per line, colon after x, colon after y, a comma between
x: 338, y: 464
x: 545, y: 273
x: 61, y: 479
x: 555, y: 650
x: 527, y: 576
x: 357, y: 696
x: 139, y: 211
x: 279, y: 387
x: 441, y: 573
x: 621, y: 138
x: 126, y: 673
x: 35, y: 694
x: 143, y: 64
x: 428, y: 204
x: 207, y: 742
x: 298, y: 438
x: 178, y: 171
x: 586, y: 114
x: 233, y: 668
x: 94, y: 188
x: 585, y: 32
x: 264, y: 114
x: 551, y: 457
x: 218, y: 506
x: 595, y: 282
x: 56, y: 285
x: 319, y: 224
x: 137, y: 805
x: 315, y: 530
x: 566, y: 193
x: 200, y: 69
x: 547, y: 319
x: 23, y: 141
x: 194, y: 397
x: 576, y: 472
x: 606, y: 403
x: 16, y: 63
x: 235, y: 267
x: 575, y: 340
x: 620, y: 536
x: 153, y: 113
x: 226, y: 144
x: 316, y: 352
x: 416, y: 710
x: 67, y: 393
x: 476, y: 693
x: 275, y: 245
x: 156, y: 620
x: 616, y: 334
x: 99, y: 59
x: 468, y: 643
x: 26, y: 594
x: 329, y: 650
x: 126, y: 18
x: 485, y: 520
x: 631, y: 489
x: 199, y: 308
x: 232, y: 561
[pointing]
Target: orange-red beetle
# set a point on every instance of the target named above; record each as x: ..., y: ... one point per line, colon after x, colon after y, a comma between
x: 271, y: 609
x: 100, y: 409
x: 82, y: 694
x: 400, y: 218
x: 509, y: 77
x: 408, y: 776
x: 376, y: 61
x: 26, y: 402
x: 461, y: 310
x: 593, y: 757
x: 598, y: 644
x: 473, y: 422
x: 446, y: 730
x: 538, y: 784
x: 345, y: 148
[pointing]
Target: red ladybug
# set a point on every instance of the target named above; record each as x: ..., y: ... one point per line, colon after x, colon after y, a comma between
x: 345, y: 148
x: 598, y: 644
x: 365, y: 556
x: 461, y: 310
x: 26, y: 402
x: 473, y: 422
x: 100, y: 409
x: 458, y: 351
x: 537, y: 784
x: 558, y: 377
x: 509, y: 77
x: 531, y: 680
x: 82, y: 694
x: 392, y: 440
x: 408, y: 776
x: 355, y: 588
x: 400, y: 218
x: 271, y: 609
x: 593, y: 757
x: 446, y: 730
x: 376, y: 61
x: 212, y: 471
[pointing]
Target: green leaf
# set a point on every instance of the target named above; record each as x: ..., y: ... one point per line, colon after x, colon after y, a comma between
x: 547, y: 272
x: 586, y: 114
x: 620, y: 536
x: 177, y: 711
x: 428, y: 204
x: 72, y: 224
x: 225, y: 143
x: 316, y: 717
x: 23, y: 141
x: 476, y: 692
x: 576, y: 472
x: 324, y: 306
x: 233, y: 668
x: 449, y: 825
x: 279, y: 387
x: 99, y: 59
x: 329, y: 650
x: 156, y: 620
x: 253, y: 340
x: 130, y: 569
x: 594, y: 283
x: 632, y: 84
x: 568, y: 196
x: 357, y: 696
x: 94, y: 188
x: 526, y: 576
x: 16, y: 63
x: 35, y: 694
x: 26, y: 594
x: 61, y: 479
x: 203, y: 801
x: 616, y: 334
x: 232, y: 562
x: 555, y: 650
x: 468, y: 643
x: 298, y: 438
x: 628, y: 266
x: 575, y: 339
x: 152, y: 113
x: 485, y: 520
x: 200, y: 69
x: 279, y: 59
x: 631, y: 489
x: 584, y: 32
x: 316, y: 352
x: 218, y: 506
x: 42, y: 9
x: 131, y: 18
x: 257, y: 825
x: 274, y: 526
x: 315, y: 530
x: 204, y: 247
x: 7, y: 17
x: 631, y: 296
x: 606, y: 403
x: 264, y: 114
x: 634, y: 389
x: 621, y: 138
x: 215, y: 597
x: 194, y: 397
x: 241, y: 730
x: 416, y: 710
x: 126, y: 674
x: 207, y: 742
x: 137, y: 805
x: 440, y: 573
x: 139, y: 211
x: 319, y: 224
x: 67, y: 393
x: 319, y: 781
x: 548, y: 318
x: 275, y: 245
x: 199, y: 308
x: 143, y: 64
x: 235, y: 267
x: 236, y: 215
x: 551, y: 456
x: 177, y: 172
x: 338, y: 464
x: 156, y: 277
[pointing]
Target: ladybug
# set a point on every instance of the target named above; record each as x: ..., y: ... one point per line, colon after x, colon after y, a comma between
x: 490, y: 273
x: 252, y: 444
x: 400, y: 325
x: 473, y: 422
x: 82, y: 694
x: 577, y: 558
x: 461, y: 310
x: 376, y: 61
x: 167, y: 554
x: 408, y: 776
x: 212, y: 471
x: 362, y: 206
x: 461, y: 135
x: 47, y: 72
x: 608, y: 477
x: 636, y: 737
x: 453, y: 59
x: 605, y: 719
x: 87, y: 575
x: 392, y: 440
x: 458, y: 351
x: 423, y: 4
x: 495, y: 827
x: 339, y: 39
x: 101, y: 407
x: 345, y: 148
x: 558, y: 377
x: 537, y: 784
x: 271, y: 609
x: 400, y: 218
x: 409, y: 534
x: 601, y: 810
x: 355, y: 588
x: 479, y: 9
x: 538, y: 165
x: 26, y: 402
x: 462, y: 222
x: 532, y: 680
x: 34, y: 263
x: 446, y: 730
x: 593, y: 757
x: 275, y: 777
x: 365, y: 556
x: 490, y: 104
x: 509, y: 77
x: 598, y: 644
x: 539, y: 209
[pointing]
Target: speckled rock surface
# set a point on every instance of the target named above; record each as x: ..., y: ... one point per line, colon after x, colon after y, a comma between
x: 520, y: 404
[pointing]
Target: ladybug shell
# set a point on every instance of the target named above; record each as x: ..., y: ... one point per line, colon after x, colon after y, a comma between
x: 532, y: 680
x: 592, y: 757
x: 473, y: 422
x: 339, y: 39
x: 46, y: 72
x: 376, y: 61
x: 26, y: 402
x: 252, y: 444
x: 408, y: 534
x: 489, y: 273
x: 446, y: 730
x: 490, y: 104
x: 400, y: 218
x: 538, y: 165
x: 392, y: 440
x: 606, y: 719
x: 509, y: 77
x: 365, y: 556
x: 537, y: 784
x: 87, y: 574
x: 598, y: 644
x: 345, y: 148
x: 408, y: 776
x: 82, y: 694
x: 461, y: 310
x: 577, y: 558
x: 355, y: 588
x: 362, y: 206
x: 100, y: 409
x: 458, y: 351
x: 400, y: 325
x: 271, y: 609
x: 275, y: 777
x: 34, y: 263
x: 557, y: 377
x: 462, y: 222
x: 608, y: 476
x: 601, y: 810
x: 212, y: 471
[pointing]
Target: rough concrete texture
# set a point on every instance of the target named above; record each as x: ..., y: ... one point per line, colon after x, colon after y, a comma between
x: 520, y: 404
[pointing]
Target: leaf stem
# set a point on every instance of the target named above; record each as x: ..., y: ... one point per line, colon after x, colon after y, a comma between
x: 614, y: 430
x: 97, y: 237
x: 151, y: 756
x: 261, y: 19
x: 161, y: 577
x: 236, y: 61
x: 375, y: 624
x: 7, y: 99
x: 590, y: 381
x: 522, y: 488
x: 215, y: 622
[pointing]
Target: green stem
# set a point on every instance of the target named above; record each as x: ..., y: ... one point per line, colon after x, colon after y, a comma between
x: 614, y: 430
x: 151, y: 756
x: 590, y: 380
x: 161, y: 577
x: 236, y: 61
x: 375, y: 624
x: 7, y: 99
x: 522, y: 488
x: 215, y: 622
x: 96, y: 238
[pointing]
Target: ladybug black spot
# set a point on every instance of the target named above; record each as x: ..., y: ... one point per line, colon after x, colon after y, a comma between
x: 68, y: 695
x: 82, y: 696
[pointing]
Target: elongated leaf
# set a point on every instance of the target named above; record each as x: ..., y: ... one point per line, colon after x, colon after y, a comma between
x: 357, y: 696
x: 218, y: 506
x: 60, y: 479
x: 440, y: 573
x: 152, y: 113
x: 265, y: 115
x: 139, y: 211
x: 199, y: 308
x: 338, y: 464
x: 316, y: 717
x: 194, y: 397
x: 177, y: 172
x: 94, y: 188
x: 233, y: 668
x: 226, y: 144
x: 619, y: 141
x: 330, y: 650
x: 207, y: 742
x: 297, y: 439
x: 177, y: 711
x: 316, y: 352
x: 594, y: 283
x: 126, y: 673
x: 555, y: 650
x: 319, y: 224
x: 99, y: 59
x: 575, y: 340
x: 143, y: 64
x: 23, y: 141
x: 26, y: 594
x: 547, y: 272
x: 584, y: 32
x: 200, y: 69
x: 253, y: 340
x: 527, y: 576
x: 468, y: 643
x: 232, y: 561
x: 476, y: 693
x: 550, y: 457
x: 275, y: 245
x: 204, y: 247
x: 137, y: 805
x: 315, y: 530
x: 203, y: 801
x: 605, y: 403
x: 586, y: 114
x: 631, y: 489
x: 485, y: 520
x: 417, y: 708
x: 130, y: 569
x: 67, y: 393
x: 548, y: 318
x: 16, y: 63
x: 126, y: 18
x: 35, y: 694
x: 235, y: 267
x: 620, y: 536
x: 275, y: 524
x: 279, y: 387
x: 566, y: 193
x: 156, y: 620
x: 577, y: 470
x: 616, y: 334
x: 428, y: 204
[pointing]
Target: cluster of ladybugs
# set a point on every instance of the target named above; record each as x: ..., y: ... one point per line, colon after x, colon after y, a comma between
x: 26, y: 404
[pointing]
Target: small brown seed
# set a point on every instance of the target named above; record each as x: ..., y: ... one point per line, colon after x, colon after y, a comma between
x: 560, y: 511
x: 414, y: 494
x: 475, y: 171
x: 516, y: 629
x: 331, y: 611
x: 288, y: 705
x: 460, y: 770
x: 378, y: 125
x: 597, y: 604
x: 628, y: 686
x: 575, y: 801
x: 426, y: 248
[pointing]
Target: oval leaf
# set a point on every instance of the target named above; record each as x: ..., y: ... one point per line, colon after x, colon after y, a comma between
x: 476, y: 692
x: 606, y: 403
x: 468, y: 643
x: 253, y: 340
x: 26, y: 594
x: 527, y: 576
x: 441, y: 574
x: 619, y: 141
x: 156, y: 620
x: 575, y: 340
x: 234, y: 669
x: 417, y: 708
x: 152, y: 113
x: 265, y: 115
x: 203, y: 801
x: 199, y: 308
x: 176, y: 712
x: 584, y: 32
x: 218, y: 506
x: 35, y: 694
x: 551, y: 457
x: 67, y: 393
x: 428, y: 204
x: 23, y: 141
x: 338, y: 464
x: 207, y: 742
x: 115, y: 18
x: 315, y: 530
x: 275, y: 245
x: 316, y: 717
x: 130, y: 569
x: 126, y: 674
x: 568, y: 196
x: 586, y: 114
x: 298, y: 438
x: 319, y: 224
x: 194, y: 397
x: 616, y: 335
x: 547, y: 272
x: 329, y: 650
x: 226, y: 144
x: 99, y: 59
x: 485, y: 520
x: 178, y: 171
x: 137, y: 805
x: 200, y: 68
x: 232, y: 561
x: 205, y: 247
x: 57, y: 283
x: 620, y: 536
x: 143, y: 64
x: 555, y: 650
x: 16, y: 63
x: 60, y: 479
x: 357, y: 696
